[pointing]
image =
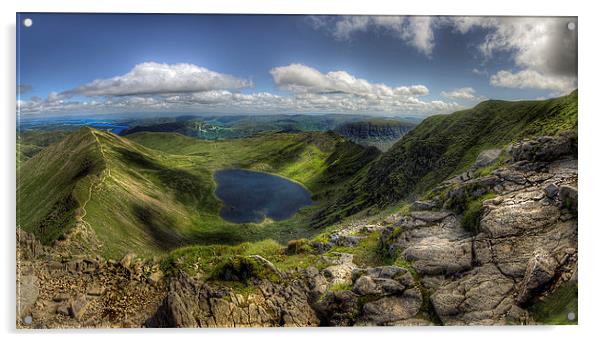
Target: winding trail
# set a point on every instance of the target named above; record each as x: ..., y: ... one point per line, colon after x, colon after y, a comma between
x: 106, y: 172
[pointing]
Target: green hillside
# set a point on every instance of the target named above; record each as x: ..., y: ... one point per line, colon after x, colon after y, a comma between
x: 154, y: 192
x: 445, y: 145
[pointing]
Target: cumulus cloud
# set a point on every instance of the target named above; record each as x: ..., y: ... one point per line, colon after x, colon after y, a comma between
x: 543, y: 48
x: 414, y: 30
x: 300, y: 78
x: 529, y: 78
x: 466, y: 93
x: 155, y: 78
x: 156, y: 87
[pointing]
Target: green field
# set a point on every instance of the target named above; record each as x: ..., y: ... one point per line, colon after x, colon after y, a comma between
x: 153, y: 192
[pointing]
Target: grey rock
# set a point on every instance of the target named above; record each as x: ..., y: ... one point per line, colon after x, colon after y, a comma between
x: 28, y: 291
x: 545, y: 148
x: 430, y: 216
x: 367, y: 286
x: 551, y: 190
x: 540, y: 271
x: 392, y: 308
x: 432, y: 256
x: 474, y: 298
x: 127, y: 259
x: 568, y: 196
x: 423, y: 205
x: 486, y: 157
x: 77, y: 307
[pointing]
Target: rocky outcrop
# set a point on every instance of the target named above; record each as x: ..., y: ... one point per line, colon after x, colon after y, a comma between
x: 190, y: 303
x: 382, y: 134
x: 524, y: 246
x: 53, y: 292
x: 525, y: 243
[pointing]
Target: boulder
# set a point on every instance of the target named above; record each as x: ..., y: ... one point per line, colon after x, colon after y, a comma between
x: 78, y: 306
x: 568, y: 196
x: 551, y: 190
x: 430, y: 216
x: 476, y: 298
x: 541, y: 269
x: 28, y: 291
x: 423, y: 205
x: 391, y: 309
x: 127, y: 259
x: 546, y: 148
x: 339, y: 308
x: 367, y: 286
x: 486, y: 158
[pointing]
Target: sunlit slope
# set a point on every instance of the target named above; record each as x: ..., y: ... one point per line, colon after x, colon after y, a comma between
x: 125, y: 192
x: 442, y: 146
x: 318, y: 160
x: 152, y: 199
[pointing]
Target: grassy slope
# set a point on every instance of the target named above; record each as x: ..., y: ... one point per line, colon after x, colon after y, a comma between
x: 150, y: 200
x: 445, y: 145
x: 31, y: 142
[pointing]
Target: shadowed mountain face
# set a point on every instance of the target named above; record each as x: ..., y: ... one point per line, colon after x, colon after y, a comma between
x: 492, y: 238
x: 445, y: 145
x: 152, y: 192
x: 380, y: 133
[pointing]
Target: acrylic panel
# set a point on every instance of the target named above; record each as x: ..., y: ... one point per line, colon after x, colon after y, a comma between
x: 196, y: 170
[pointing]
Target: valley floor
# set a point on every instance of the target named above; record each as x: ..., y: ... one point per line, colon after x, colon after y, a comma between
x: 495, y: 245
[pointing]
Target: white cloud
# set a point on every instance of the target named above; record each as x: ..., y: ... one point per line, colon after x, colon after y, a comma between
x: 539, y: 47
x: 414, y: 30
x: 466, y: 93
x: 311, y: 91
x: 543, y: 49
x: 479, y: 72
x: 300, y: 78
x: 532, y: 79
x: 155, y: 78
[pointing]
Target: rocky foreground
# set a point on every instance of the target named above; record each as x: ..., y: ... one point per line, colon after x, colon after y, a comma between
x: 520, y: 246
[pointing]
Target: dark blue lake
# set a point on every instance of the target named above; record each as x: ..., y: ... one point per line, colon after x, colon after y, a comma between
x: 251, y: 196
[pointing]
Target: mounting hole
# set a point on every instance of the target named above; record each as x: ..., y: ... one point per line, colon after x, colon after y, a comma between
x: 27, y: 22
x: 570, y: 316
x: 27, y: 320
x: 571, y: 26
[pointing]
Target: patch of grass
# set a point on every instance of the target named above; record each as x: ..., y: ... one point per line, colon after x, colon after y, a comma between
x: 445, y: 145
x: 204, y: 260
x: 243, y: 269
x: 499, y: 162
x: 154, y: 192
x: 472, y: 214
x: 301, y: 246
x: 555, y: 308
x: 340, y: 287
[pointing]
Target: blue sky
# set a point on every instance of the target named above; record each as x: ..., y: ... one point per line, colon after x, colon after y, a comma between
x: 75, y: 64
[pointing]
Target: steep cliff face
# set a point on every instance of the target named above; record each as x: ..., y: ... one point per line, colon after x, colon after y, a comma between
x: 379, y: 133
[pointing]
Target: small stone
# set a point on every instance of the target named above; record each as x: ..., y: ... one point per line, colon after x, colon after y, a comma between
x: 126, y: 261
x: 61, y: 297
x: 96, y: 290
x: 62, y: 309
x: 155, y: 277
x: 551, y: 190
x: 78, y: 307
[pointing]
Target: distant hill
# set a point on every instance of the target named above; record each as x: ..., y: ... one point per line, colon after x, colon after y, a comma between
x: 154, y: 191
x: 381, y: 133
x: 445, y: 145
x: 221, y: 127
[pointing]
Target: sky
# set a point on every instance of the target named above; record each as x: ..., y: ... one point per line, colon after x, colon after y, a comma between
x: 88, y: 64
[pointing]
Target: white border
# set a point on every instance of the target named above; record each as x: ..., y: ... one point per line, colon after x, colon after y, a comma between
x: 589, y: 133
